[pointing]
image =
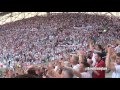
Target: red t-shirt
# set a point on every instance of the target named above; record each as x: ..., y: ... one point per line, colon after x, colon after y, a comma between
x: 100, y: 64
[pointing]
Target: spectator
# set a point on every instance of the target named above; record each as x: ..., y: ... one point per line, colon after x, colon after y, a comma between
x: 31, y: 71
x: 74, y: 61
x: 113, y: 65
x: 67, y: 73
x: 99, y: 64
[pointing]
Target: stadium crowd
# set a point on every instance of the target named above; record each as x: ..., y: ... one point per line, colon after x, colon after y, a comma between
x: 60, y: 46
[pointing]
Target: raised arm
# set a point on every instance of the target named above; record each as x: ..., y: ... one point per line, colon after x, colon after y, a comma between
x: 109, y: 64
x: 91, y: 45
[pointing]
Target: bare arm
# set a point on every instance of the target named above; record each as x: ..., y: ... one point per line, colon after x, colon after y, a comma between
x: 108, y: 63
x: 90, y: 45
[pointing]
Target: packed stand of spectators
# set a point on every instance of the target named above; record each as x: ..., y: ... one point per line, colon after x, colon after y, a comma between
x: 58, y: 46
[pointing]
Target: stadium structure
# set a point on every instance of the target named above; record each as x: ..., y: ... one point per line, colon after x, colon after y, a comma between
x: 7, y: 17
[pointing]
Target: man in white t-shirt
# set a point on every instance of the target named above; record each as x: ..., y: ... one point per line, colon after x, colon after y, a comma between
x: 82, y: 71
x: 113, y: 65
x: 74, y: 61
x: 116, y: 73
x: 117, y: 49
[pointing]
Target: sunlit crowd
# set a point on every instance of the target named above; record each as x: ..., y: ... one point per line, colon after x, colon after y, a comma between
x: 60, y: 46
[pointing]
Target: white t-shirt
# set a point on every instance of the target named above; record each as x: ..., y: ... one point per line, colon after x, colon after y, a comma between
x: 117, y: 49
x: 93, y: 59
x: 116, y: 74
x: 90, y: 72
x: 76, y: 67
x: 85, y: 75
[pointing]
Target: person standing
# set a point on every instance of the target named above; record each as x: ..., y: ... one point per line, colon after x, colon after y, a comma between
x: 99, y: 64
x: 113, y: 64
